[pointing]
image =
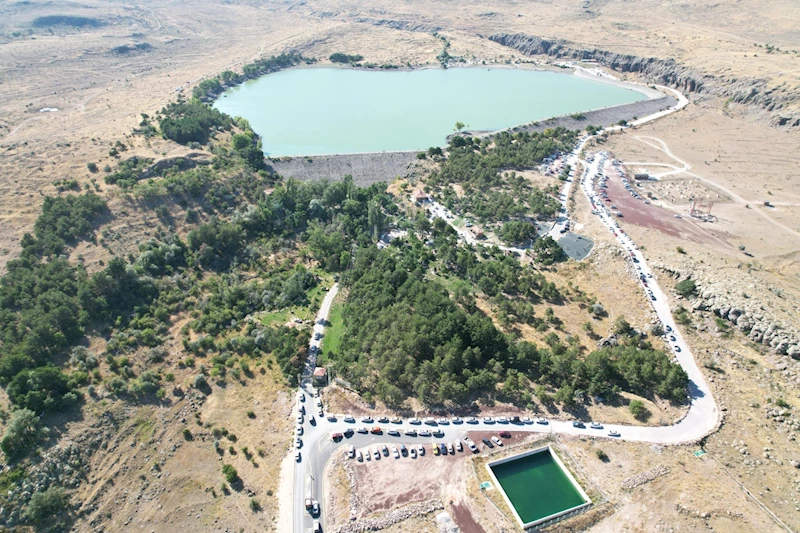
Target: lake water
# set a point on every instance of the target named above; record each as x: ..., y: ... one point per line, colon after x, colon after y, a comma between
x: 312, y: 111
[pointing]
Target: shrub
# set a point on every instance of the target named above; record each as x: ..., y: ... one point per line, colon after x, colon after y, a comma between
x: 230, y: 473
x: 92, y: 167
x: 46, y: 505
x: 637, y: 409
x: 686, y: 288
x: 255, y: 506
x: 601, y: 455
x: 21, y: 433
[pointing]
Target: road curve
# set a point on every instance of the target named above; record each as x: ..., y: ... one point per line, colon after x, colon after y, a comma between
x: 318, y: 446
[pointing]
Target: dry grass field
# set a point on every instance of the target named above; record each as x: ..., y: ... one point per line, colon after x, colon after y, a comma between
x: 71, y: 92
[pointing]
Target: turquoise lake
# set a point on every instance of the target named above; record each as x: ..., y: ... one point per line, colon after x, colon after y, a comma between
x: 313, y: 111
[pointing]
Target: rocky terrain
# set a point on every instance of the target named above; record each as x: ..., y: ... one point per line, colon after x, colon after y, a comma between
x: 742, y: 307
x: 780, y: 102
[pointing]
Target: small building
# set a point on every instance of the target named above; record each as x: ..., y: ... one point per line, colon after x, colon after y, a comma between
x: 419, y: 197
x: 321, y: 375
x: 476, y: 232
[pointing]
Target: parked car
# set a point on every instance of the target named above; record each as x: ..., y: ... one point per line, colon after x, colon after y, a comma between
x: 349, y: 418
x: 459, y: 446
x: 488, y: 420
x: 471, y: 420
x: 297, y: 456
x: 472, y: 447
x: 421, y: 450
x: 366, y: 420
x: 596, y: 425
x: 383, y: 420
x: 414, y: 421
x: 502, y: 420
x: 436, y: 450
x: 613, y: 433
x: 413, y: 453
x: 395, y: 453
x: 542, y: 420
x: 424, y: 433
x: 456, y: 420
x: 363, y: 430
x: 505, y: 434
x: 443, y: 421
x: 376, y: 430
x: 488, y: 443
x: 578, y: 424
x: 411, y: 433
x: 403, y: 450
x: 393, y: 433
x: 385, y: 450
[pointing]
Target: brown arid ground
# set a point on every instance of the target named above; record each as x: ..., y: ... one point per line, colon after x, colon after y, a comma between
x: 94, y: 97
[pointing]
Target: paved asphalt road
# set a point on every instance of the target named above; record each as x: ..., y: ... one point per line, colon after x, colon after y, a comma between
x: 317, y: 445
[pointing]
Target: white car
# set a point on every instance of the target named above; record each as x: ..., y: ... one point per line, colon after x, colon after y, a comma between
x: 395, y: 453
x: 299, y: 430
x: 301, y: 396
x: 471, y: 420
x: 376, y: 453
x: 414, y: 421
x: 393, y: 433
x: 526, y: 420
x: 459, y: 446
x: 411, y: 433
x: 596, y: 425
x: 455, y: 420
x: 362, y: 429
x: 359, y: 456
x: 488, y: 420
x: 298, y: 442
x: 497, y: 441
x: 349, y: 418
x: 351, y: 451
x: 502, y: 420
x: 542, y: 420
x: 421, y: 450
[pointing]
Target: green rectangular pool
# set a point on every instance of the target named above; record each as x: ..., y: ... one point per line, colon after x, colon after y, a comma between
x: 537, y: 486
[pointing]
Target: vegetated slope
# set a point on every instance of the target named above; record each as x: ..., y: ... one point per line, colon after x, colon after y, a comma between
x: 404, y: 336
x: 84, y: 355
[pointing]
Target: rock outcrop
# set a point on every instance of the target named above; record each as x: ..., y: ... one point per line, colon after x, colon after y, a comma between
x: 755, y: 92
x: 741, y: 309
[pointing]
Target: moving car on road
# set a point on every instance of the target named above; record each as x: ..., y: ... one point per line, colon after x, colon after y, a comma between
x: 578, y: 424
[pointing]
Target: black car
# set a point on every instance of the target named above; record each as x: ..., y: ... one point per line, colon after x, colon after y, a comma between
x: 488, y: 443
x: 578, y: 424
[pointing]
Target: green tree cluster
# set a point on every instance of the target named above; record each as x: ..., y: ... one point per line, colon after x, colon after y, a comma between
x: 185, y: 122
x: 339, y: 57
